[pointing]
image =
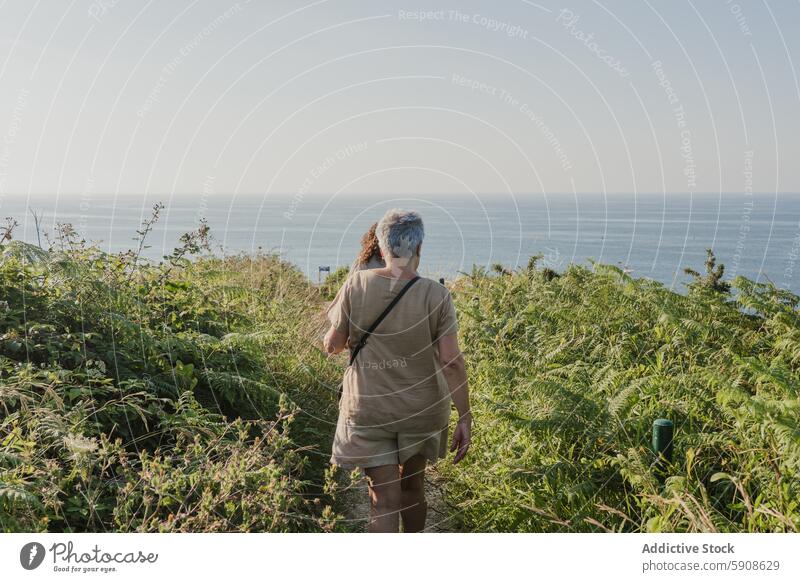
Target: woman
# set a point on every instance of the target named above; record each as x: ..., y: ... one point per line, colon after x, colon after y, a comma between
x: 368, y: 258
x: 395, y: 406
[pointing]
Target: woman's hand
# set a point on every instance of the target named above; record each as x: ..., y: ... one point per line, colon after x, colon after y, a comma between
x: 334, y: 341
x: 461, y: 438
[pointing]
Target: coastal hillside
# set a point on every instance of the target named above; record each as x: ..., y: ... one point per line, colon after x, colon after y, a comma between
x: 192, y: 395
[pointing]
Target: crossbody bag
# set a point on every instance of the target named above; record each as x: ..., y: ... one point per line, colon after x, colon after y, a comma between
x: 363, y: 340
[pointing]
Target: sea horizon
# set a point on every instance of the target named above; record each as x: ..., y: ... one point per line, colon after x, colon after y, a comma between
x: 649, y: 235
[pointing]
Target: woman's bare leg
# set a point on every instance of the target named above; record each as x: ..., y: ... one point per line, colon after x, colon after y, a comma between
x: 385, y: 499
x: 412, y: 486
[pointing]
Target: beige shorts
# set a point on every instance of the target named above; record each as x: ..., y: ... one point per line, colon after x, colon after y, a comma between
x: 368, y: 446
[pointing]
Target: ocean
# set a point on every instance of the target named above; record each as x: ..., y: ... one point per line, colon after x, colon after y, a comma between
x: 651, y: 235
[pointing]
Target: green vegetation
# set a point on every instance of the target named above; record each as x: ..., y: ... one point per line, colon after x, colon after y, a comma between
x: 568, y: 372
x: 183, y: 396
x: 191, y: 395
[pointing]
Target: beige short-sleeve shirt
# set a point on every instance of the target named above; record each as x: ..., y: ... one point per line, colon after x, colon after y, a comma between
x: 396, y: 382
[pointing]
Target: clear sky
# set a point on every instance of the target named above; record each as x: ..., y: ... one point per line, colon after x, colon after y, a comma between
x: 187, y: 96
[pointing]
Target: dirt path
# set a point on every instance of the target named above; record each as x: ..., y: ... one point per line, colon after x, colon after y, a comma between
x: 356, y: 506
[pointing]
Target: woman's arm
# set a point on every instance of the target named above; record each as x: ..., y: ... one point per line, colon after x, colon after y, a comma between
x: 455, y: 372
x: 339, y: 316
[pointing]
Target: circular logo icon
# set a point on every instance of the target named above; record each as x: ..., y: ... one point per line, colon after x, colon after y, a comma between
x: 31, y: 555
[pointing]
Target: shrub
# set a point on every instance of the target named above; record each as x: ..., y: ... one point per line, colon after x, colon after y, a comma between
x: 568, y: 374
x: 181, y: 396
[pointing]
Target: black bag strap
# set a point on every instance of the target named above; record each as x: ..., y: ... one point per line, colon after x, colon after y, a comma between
x: 362, y: 342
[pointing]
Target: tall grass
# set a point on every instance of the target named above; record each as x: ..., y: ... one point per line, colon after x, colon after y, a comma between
x: 568, y: 372
x: 187, y: 395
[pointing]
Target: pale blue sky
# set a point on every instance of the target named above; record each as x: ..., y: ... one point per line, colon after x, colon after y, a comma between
x: 185, y: 96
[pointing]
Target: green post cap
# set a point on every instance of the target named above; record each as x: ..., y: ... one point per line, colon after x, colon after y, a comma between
x: 663, y: 430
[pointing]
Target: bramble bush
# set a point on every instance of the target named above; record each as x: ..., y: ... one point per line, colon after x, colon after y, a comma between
x: 187, y: 395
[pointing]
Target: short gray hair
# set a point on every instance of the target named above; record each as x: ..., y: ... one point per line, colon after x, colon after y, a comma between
x: 400, y: 232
